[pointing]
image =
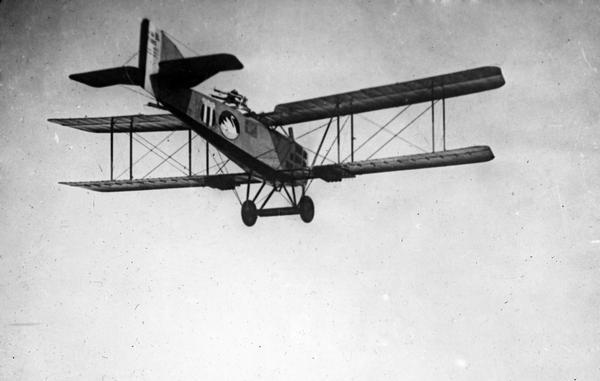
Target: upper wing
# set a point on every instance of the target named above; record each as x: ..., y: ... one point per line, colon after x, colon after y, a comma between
x: 125, y: 123
x: 337, y: 172
x: 376, y: 98
x: 223, y: 182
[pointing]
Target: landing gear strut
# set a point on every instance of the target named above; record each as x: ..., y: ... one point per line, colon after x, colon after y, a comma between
x: 304, y: 207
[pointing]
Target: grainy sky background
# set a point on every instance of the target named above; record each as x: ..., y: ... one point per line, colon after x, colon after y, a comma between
x: 480, y: 272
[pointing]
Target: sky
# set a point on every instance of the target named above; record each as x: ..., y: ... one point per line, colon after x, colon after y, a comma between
x: 478, y: 272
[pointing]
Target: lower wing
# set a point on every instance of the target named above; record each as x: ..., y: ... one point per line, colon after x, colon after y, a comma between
x: 222, y: 182
x: 337, y: 172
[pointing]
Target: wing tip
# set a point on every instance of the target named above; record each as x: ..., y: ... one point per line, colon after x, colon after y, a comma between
x: 121, y: 75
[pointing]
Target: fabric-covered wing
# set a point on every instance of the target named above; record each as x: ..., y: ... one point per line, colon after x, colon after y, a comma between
x: 223, y: 182
x: 376, y: 98
x: 124, y: 123
x: 337, y: 172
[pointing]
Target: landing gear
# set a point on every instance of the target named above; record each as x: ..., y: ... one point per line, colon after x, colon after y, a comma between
x: 249, y: 213
x: 306, y: 208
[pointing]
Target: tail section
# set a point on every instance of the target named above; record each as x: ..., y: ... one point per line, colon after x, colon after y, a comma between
x: 155, y: 47
x: 160, y: 63
x: 122, y: 75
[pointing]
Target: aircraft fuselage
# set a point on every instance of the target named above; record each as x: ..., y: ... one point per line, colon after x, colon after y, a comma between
x: 254, y: 147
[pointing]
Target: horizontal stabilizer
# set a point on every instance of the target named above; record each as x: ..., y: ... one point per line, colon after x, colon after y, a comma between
x: 189, y: 72
x: 222, y: 182
x: 382, y: 97
x: 123, y: 75
x: 125, y: 123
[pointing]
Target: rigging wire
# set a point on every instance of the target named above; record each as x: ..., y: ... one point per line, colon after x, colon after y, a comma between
x: 221, y: 167
x: 165, y: 157
x: 378, y: 131
x: 161, y: 151
x: 167, y: 161
x: 301, y: 136
x: 144, y: 155
x: 392, y: 133
x: 311, y: 131
x: 171, y: 155
x: 327, y: 154
x: 404, y: 128
x: 181, y: 42
x: 130, y: 58
x: 334, y: 140
x: 145, y: 95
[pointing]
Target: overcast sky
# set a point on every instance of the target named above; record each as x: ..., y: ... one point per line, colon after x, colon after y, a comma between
x: 478, y: 272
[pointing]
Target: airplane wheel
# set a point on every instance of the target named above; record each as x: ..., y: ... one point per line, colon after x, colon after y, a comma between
x: 307, y: 209
x: 249, y: 214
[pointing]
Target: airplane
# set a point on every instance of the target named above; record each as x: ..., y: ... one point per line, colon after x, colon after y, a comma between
x: 257, y: 142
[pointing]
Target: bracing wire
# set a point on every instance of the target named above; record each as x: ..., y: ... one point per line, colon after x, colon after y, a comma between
x: 161, y: 151
x: 145, y: 154
x: 167, y: 159
x: 334, y: 140
x: 401, y: 130
x: 378, y: 131
x: 392, y: 133
x: 171, y: 155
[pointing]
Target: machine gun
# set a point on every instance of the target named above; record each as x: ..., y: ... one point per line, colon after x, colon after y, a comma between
x: 232, y: 98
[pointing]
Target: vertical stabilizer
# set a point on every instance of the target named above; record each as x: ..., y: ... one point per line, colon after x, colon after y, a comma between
x: 155, y: 47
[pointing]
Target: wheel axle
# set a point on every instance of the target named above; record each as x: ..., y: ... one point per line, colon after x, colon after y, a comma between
x: 305, y: 208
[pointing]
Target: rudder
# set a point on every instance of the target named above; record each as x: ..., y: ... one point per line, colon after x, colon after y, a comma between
x: 155, y: 47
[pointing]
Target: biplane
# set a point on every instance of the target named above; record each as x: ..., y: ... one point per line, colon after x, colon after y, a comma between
x: 258, y: 143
